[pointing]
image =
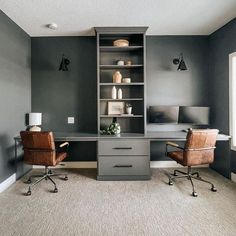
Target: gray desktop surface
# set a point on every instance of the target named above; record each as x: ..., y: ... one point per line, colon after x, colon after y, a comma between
x: 162, y: 136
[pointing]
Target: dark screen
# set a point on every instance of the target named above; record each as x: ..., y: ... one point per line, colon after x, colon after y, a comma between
x: 163, y: 114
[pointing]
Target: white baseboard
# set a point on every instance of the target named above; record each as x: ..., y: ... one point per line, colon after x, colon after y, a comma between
x: 233, y: 177
x: 8, y: 182
x: 93, y: 164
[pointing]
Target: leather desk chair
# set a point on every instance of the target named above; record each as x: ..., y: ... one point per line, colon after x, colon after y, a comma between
x: 198, y: 150
x: 39, y: 149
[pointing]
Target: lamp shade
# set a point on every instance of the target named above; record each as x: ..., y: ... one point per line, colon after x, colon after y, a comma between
x: 35, y: 119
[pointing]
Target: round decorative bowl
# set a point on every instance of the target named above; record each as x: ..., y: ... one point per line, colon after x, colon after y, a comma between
x: 121, y: 43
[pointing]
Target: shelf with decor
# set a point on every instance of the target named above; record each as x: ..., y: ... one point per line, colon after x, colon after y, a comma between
x: 121, y: 50
x: 122, y: 99
x: 119, y: 66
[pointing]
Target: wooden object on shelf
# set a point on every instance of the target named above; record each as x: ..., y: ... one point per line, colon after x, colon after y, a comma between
x: 121, y: 43
x: 117, y: 77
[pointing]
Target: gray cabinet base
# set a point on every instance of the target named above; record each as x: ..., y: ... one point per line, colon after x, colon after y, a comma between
x: 123, y: 177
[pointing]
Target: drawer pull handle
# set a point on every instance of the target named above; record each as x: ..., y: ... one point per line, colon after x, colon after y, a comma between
x: 123, y: 166
x: 124, y: 148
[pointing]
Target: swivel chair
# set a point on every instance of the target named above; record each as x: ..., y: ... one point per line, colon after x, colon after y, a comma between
x: 39, y: 149
x: 198, y: 150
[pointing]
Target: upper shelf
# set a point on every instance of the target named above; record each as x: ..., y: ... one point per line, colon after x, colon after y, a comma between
x: 119, y: 49
x: 119, y: 67
x: 122, y: 84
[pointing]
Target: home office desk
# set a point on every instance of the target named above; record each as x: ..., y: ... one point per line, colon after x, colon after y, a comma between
x: 127, y: 156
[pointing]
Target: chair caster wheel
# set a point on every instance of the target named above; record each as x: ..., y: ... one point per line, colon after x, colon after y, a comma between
x: 66, y: 177
x: 55, y: 190
x: 170, y: 183
x: 28, y: 193
x: 175, y: 174
x: 28, y: 181
x: 49, y: 172
x: 213, y: 189
x: 194, y: 194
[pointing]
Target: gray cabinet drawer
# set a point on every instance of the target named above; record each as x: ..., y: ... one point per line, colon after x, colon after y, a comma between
x: 123, y: 147
x: 123, y: 165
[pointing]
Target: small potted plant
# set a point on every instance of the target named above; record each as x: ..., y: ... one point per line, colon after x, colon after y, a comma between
x: 128, y: 108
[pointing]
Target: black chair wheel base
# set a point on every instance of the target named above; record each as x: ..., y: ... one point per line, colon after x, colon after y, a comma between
x: 213, y: 189
x: 66, y: 178
x: 194, y: 194
x: 28, y: 193
x: 55, y: 190
x: 170, y: 183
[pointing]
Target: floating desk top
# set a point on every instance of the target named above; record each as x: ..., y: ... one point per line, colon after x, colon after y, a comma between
x: 153, y: 136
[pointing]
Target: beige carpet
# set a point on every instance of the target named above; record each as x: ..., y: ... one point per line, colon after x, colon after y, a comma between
x: 84, y: 206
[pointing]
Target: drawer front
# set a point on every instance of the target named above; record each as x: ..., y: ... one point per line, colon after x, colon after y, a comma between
x: 123, y: 147
x: 123, y: 165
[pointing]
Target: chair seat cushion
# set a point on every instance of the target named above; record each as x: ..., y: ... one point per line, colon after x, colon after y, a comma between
x: 60, y: 157
x: 177, y: 156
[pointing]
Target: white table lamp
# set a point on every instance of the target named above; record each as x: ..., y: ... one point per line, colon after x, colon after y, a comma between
x: 34, y: 120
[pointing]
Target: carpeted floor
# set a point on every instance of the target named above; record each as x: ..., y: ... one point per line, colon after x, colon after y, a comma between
x: 84, y: 206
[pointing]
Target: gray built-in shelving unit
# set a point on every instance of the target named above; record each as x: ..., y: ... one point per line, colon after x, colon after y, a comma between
x: 134, y: 92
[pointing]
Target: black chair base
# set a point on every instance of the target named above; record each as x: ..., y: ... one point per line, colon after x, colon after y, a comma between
x: 190, y: 176
x: 47, y: 176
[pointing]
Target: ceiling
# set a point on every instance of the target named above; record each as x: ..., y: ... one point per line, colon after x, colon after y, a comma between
x: 78, y: 17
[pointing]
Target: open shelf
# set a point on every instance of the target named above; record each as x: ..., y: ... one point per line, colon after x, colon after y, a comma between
x: 122, y: 116
x: 121, y: 84
x: 108, y: 67
x: 119, y: 49
x: 123, y: 99
x: 133, y: 93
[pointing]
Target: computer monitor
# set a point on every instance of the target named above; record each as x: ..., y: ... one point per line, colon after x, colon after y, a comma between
x: 194, y: 115
x: 163, y: 114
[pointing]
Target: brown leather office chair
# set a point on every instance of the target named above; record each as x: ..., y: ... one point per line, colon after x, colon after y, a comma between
x: 198, y: 150
x: 39, y: 149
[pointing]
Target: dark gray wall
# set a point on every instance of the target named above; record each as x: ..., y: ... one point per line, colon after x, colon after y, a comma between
x: 15, y: 90
x: 61, y: 94
x: 222, y: 43
x: 166, y: 85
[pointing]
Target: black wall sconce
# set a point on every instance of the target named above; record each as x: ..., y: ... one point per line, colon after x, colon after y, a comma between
x: 64, y: 63
x: 180, y: 62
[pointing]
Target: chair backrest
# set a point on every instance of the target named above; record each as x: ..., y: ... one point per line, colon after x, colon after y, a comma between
x: 39, y: 147
x: 199, y: 146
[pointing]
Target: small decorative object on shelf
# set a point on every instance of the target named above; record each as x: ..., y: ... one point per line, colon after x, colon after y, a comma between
x: 115, y: 108
x: 120, y: 63
x: 121, y: 43
x: 119, y: 93
x: 126, y: 80
x: 117, y: 77
x: 128, y: 108
x: 129, y: 63
x: 113, y: 128
x: 113, y: 92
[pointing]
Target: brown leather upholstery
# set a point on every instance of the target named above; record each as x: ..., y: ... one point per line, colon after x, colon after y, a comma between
x: 39, y: 148
x: 199, y: 148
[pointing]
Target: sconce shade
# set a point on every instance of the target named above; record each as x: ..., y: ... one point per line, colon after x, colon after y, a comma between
x: 64, y: 63
x: 180, y: 62
x: 182, y: 65
x: 35, y: 119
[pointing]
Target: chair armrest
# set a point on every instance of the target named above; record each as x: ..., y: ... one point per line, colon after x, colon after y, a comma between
x: 63, y: 147
x: 175, y: 145
x: 64, y: 144
x: 172, y: 144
